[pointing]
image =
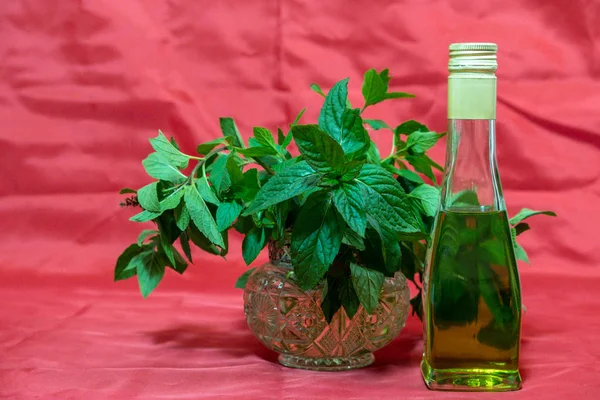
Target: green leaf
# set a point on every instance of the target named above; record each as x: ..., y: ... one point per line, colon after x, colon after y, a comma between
x: 207, y: 147
x: 145, y: 234
x: 353, y: 138
x: 522, y: 227
x: 127, y: 191
x: 175, y: 261
x: 331, y: 299
x: 465, y: 197
x: 159, y: 168
x: 350, y: 170
x: 388, y: 245
x: 349, y: 200
x: 227, y: 213
x: 231, y: 132
x: 421, y: 165
x: 520, y: 252
x: 375, y: 86
x: 219, y: 175
x: 398, y: 95
x: 429, y: 198
x: 286, y: 184
x: 201, y: 216
x: 330, y: 118
x: 297, y: 119
x: 352, y: 239
x: 149, y: 270
x: 144, y: 216
x: 348, y: 298
x: 253, y: 243
x: 373, y: 154
x: 243, y: 279
x: 184, y: 240
x: 148, y: 197
x: 316, y: 239
x: 124, y: 269
x: 316, y: 88
x: 264, y: 137
x: 202, y: 241
x: 170, y: 153
x: 206, y: 191
x: 234, y: 170
x: 420, y: 142
x: 408, y: 127
x: 172, y: 200
x: 247, y: 192
x: 280, y: 136
x: 411, y: 176
x: 258, y: 151
x: 368, y: 284
x: 386, y: 199
x: 182, y: 216
x: 526, y: 213
x: 377, y: 124
x: 322, y: 152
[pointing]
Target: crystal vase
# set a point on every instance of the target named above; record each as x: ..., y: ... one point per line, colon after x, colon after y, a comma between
x: 290, y: 321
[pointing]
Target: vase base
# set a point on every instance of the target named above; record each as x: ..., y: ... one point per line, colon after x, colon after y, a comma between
x: 326, y: 364
x: 470, y: 380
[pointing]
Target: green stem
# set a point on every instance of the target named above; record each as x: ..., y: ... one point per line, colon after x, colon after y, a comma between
x: 202, y: 161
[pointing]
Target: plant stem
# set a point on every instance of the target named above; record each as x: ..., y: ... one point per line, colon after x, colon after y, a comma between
x: 202, y: 161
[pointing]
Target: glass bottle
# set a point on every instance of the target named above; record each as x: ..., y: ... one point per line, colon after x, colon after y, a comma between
x: 471, y: 296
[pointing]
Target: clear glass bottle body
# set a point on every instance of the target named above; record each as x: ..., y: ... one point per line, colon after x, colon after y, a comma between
x: 471, y: 296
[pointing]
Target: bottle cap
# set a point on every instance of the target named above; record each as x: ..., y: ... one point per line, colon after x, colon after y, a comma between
x: 473, y: 57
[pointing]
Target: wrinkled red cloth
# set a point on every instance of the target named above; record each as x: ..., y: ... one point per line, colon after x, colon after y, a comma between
x: 84, y: 83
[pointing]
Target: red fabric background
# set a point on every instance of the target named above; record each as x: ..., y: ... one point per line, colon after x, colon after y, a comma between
x: 84, y: 83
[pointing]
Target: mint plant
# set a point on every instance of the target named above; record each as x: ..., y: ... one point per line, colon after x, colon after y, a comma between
x: 351, y: 216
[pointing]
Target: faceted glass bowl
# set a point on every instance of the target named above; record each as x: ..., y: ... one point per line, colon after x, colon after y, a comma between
x: 290, y: 321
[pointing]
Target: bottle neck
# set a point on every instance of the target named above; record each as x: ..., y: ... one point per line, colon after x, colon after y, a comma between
x: 471, y: 181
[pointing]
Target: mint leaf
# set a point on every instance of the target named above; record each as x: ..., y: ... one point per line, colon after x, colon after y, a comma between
x: 206, y: 191
x: 368, y: 284
x: 250, y: 187
x: 331, y: 298
x: 219, y: 176
x: 159, y: 168
x: 421, y: 165
x: 297, y: 119
x: 526, y: 213
x: 520, y: 252
x: 231, y: 132
x: 411, y: 176
x: 280, y: 136
x: 253, y: 243
x: 265, y: 137
x: 349, y: 200
x: 316, y: 239
x: 202, y: 241
x: 373, y: 154
x: 387, y: 200
x: 291, y: 182
x: 184, y: 240
x: 124, y: 269
x: 127, y: 191
x: 465, y: 197
x: 145, y: 234
x: 428, y: 197
x: 144, y: 216
x: 227, y: 213
x: 374, y: 87
x: 353, y: 138
x: 388, y: 246
x: 149, y: 270
x: 420, y: 142
x: 348, y: 298
x: 398, y: 95
x: 172, y: 200
x: 350, y: 169
x: 352, y: 239
x: 182, y: 216
x: 377, y: 124
x: 258, y: 151
x: 201, y: 216
x: 319, y: 150
x: 408, y: 127
x: 170, y: 153
x: 522, y: 227
x: 316, y: 88
x: 243, y: 279
x: 206, y: 148
x: 234, y: 170
x: 330, y: 118
x: 148, y: 197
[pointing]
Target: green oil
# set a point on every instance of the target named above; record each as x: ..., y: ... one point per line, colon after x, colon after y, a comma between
x: 473, y: 304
